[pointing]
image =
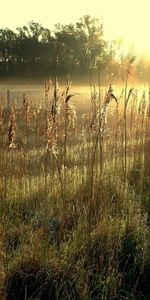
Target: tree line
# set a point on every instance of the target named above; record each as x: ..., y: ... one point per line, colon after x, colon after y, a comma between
x: 78, y: 47
x: 33, y: 48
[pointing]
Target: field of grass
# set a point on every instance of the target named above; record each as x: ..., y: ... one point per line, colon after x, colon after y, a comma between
x: 75, y: 194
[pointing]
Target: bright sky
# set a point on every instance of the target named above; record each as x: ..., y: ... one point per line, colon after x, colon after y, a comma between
x: 127, y: 19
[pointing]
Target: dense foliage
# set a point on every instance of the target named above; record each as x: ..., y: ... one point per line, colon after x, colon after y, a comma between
x: 36, y: 48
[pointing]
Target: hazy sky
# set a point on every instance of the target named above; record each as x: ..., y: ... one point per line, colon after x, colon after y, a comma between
x: 127, y: 19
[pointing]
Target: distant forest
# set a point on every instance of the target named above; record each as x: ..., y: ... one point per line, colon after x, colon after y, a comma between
x: 73, y: 48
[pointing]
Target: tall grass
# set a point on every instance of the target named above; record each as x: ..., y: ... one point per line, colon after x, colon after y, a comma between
x: 74, y: 180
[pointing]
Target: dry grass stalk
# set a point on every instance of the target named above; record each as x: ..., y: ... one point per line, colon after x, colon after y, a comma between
x: 142, y: 105
x: 47, y: 87
x: 70, y: 114
x: 1, y: 116
x: 94, y: 106
x: 27, y: 110
x: 55, y: 108
x: 51, y: 136
x: 12, y: 128
x: 83, y: 136
x: 52, y: 117
x: 108, y: 98
x: 36, y: 112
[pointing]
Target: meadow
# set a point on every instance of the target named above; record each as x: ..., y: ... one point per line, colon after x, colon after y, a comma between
x: 75, y: 192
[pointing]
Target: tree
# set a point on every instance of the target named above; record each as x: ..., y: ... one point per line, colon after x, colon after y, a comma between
x: 7, y: 46
x: 65, y: 45
x: 28, y: 48
x: 34, y: 48
x: 90, y: 44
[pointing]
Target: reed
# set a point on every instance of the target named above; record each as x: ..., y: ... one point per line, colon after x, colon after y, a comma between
x: 74, y: 176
